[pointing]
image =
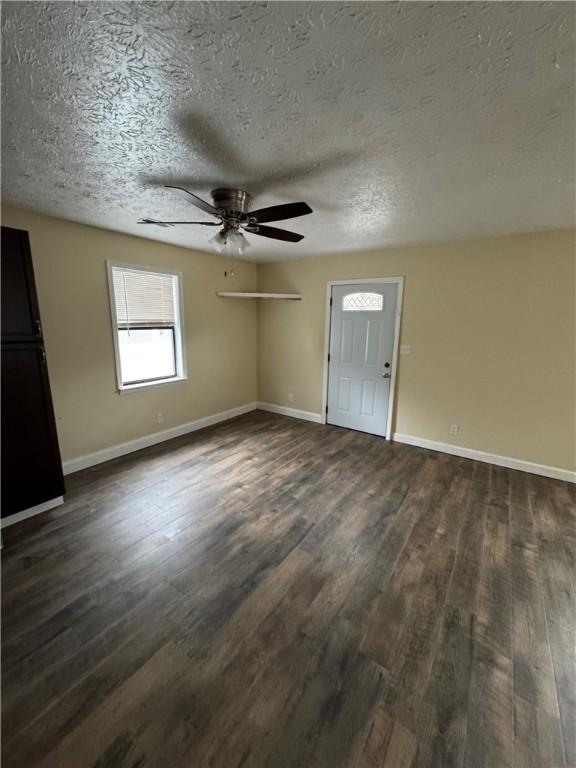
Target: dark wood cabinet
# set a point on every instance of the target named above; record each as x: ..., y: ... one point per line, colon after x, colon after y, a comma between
x: 20, y: 312
x: 31, y: 465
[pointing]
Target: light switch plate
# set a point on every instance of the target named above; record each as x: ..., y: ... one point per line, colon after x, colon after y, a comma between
x: 405, y: 349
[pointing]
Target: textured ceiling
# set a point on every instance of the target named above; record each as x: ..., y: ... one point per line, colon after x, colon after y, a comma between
x: 396, y: 122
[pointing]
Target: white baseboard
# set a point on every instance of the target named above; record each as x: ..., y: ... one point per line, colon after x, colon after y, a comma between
x: 17, y: 517
x: 296, y: 414
x: 455, y: 450
x: 490, y: 458
x: 98, y: 457
x: 91, y: 459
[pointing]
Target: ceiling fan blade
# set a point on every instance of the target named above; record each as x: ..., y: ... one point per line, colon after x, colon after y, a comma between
x: 153, y: 221
x: 197, y: 201
x: 279, y: 212
x: 275, y: 233
x: 172, y: 223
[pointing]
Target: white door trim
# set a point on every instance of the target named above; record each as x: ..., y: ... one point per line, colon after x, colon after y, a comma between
x: 357, y: 281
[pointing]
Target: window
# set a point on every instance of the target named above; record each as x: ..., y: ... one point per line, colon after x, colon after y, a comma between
x: 146, y: 313
x: 362, y: 302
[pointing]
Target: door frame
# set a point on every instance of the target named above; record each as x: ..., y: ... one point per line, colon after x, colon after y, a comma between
x: 398, y: 317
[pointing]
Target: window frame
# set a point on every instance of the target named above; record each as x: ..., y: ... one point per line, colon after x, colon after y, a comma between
x: 179, y: 343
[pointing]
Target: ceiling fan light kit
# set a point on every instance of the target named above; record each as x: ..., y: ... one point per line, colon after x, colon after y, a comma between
x: 232, y: 208
x: 230, y: 240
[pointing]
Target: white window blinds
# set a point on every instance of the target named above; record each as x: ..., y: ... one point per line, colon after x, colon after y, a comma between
x: 144, y: 298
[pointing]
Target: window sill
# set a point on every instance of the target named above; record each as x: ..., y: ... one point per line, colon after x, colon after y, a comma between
x: 148, y: 384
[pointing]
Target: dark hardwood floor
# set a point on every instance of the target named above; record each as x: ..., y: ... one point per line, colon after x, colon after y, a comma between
x: 270, y: 592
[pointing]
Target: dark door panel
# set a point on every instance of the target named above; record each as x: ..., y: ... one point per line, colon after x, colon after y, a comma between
x: 20, y: 313
x: 31, y: 466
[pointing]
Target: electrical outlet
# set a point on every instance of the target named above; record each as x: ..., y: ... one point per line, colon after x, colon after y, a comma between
x: 453, y: 429
x: 160, y: 418
x: 290, y: 397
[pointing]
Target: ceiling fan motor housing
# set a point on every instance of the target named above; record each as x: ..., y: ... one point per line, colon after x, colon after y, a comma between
x: 231, y: 203
x: 232, y: 208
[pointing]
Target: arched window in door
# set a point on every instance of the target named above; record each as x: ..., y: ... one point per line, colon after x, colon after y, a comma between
x: 362, y: 302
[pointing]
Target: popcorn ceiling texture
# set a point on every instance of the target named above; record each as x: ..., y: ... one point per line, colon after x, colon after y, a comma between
x: 398, y: 123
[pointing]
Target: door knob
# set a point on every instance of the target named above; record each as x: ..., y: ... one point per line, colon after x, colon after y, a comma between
x: 385, y: 375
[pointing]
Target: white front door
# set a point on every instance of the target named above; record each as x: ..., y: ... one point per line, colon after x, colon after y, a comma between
x: 362, y: 320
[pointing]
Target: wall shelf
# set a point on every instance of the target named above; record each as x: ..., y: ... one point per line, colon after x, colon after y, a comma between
x: 252, y: 295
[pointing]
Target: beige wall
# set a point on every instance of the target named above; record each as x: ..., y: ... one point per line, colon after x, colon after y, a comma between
x: 491, y: 324
x: 220, y: 334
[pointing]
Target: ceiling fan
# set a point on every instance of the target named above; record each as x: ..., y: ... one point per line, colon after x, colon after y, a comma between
x: 232, y: 209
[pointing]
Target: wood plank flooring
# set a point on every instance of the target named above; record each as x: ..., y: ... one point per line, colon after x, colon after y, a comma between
x: 270, y: 592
